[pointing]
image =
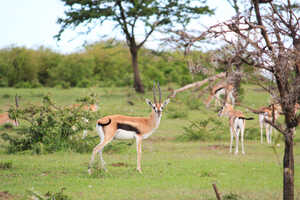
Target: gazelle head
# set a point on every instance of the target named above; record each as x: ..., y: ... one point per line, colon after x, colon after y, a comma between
x: 157, y: 107
x: 225, y: 109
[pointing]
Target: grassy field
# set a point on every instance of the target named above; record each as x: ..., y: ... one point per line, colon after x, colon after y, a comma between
x: 171, y: 169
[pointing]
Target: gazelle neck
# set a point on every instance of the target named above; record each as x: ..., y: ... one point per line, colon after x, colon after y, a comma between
x: 155, y: 118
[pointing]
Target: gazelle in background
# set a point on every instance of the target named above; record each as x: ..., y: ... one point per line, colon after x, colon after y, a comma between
x: 126, y: 127
x: 4, y: 119
x: 269, y: 113
x: 237, y: 125
x: 91, y: 108
x: 218, y: 90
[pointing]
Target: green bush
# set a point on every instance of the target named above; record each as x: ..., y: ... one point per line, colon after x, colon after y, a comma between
x: 49, y: 195
x: 50, y: 128
x: 84, y: 83
x: 203, y: 130
x: 5, y: 164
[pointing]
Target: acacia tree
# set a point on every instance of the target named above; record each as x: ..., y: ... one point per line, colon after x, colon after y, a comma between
x: 271, y: 28
x: 130, y: 16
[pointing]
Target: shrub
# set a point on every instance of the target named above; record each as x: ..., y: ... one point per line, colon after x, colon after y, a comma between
x: 6, y: 96
x: 84, y: 83
x: 5, y: 164
x: 231, y: 196
x: 23, y: 84
x: 49, y: 195
x: 49, y: 128
x: 203, y: 130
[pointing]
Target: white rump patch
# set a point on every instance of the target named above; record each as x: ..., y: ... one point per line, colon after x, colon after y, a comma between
x: 124, y: 135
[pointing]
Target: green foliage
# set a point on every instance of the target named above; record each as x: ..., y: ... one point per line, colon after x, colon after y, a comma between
x: 145, y: 13
x: 5, y: 164
x: 231, y: 196
x: 203, y: 130
x: 49, y: 195
x: 49, y: 128
x: 104, y: 64
x: 73, y: 69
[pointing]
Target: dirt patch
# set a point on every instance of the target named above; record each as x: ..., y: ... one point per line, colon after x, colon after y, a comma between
x: 158, y: 139
x: 119, y: 164
x: 218, y: 146
x: 6, y: 196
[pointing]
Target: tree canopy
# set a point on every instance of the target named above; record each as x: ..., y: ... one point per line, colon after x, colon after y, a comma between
x: 131, y: 16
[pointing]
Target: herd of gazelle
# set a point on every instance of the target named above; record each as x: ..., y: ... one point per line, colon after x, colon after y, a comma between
x: 237, y: 118
x: 126, y: 127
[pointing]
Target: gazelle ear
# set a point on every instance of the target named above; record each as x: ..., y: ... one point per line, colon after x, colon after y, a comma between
x: 166, y: 102
x: 148, y: 102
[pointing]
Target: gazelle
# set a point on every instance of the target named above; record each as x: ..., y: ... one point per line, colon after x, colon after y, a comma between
x: 218, y: 90
x: 127, y: 127
x: 268, y: 113
x: 4, y: 118
x: 237, y: 125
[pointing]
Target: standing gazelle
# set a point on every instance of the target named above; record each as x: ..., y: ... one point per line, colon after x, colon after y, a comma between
x: 126, y: 127
x: 237, y: 125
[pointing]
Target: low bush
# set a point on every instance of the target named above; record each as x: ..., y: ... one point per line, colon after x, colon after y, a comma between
x: 49, y: 195
x: 5, y: 164
x: 50, y: 128
x: 203, y: 130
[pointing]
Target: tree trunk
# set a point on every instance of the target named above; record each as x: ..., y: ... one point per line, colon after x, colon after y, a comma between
x: 288, y: 167
x: 138, y: 85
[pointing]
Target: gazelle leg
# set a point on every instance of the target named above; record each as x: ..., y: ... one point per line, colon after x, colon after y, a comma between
x: 101, y: 156
x: 242, y: 136
x: 261, y: 124
x: 231, y: 139
x: 97, y: 149
x: 268, y: 133
x: 237, y: 135
x: 139, y: 152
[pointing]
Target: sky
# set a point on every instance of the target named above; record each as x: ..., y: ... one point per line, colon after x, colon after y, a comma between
x: 32, y: 23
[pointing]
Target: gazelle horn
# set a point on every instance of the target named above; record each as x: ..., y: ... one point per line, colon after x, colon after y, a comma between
x: 159, y: 92
x: 154, y: 96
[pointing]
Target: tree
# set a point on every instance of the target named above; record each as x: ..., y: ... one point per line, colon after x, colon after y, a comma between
x: 129, y: 16
x: 271, y: 29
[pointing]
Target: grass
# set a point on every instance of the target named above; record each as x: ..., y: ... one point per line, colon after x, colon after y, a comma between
x: 171, y: 169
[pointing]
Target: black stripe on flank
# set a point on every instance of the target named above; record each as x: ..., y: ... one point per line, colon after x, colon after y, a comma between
x: 219, y: 90
x: 127, y: 127
x: 104, y: 124
x: 246, y: 118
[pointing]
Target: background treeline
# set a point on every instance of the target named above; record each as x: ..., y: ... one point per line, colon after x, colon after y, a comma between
x: 105, y: 63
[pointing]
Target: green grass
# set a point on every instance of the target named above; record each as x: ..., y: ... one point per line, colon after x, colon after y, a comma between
x: 171, y: 169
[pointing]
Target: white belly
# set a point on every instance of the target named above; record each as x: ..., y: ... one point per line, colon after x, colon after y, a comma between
x: 124, y: 135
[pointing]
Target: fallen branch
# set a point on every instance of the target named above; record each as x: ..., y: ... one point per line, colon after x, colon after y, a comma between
x: 197, y: 84
x: 216, y: 191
